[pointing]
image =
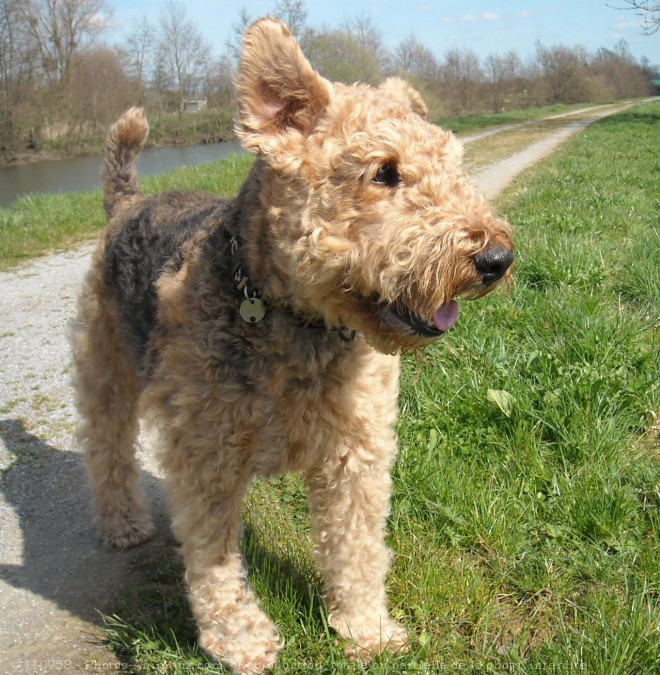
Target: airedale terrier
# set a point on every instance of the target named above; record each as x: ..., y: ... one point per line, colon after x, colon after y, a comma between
x: 261, y: 335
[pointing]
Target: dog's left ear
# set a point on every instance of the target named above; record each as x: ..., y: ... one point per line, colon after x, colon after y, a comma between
x: 279, y: 93
x: 398, y: 89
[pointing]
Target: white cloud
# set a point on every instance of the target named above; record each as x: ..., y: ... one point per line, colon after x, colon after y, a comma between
x: 485, y: 16
x: 624, y: 22
x: 526, y: 15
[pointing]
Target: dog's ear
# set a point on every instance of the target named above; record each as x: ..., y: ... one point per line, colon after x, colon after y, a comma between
x: 278, y: 90
x: 400, y: 90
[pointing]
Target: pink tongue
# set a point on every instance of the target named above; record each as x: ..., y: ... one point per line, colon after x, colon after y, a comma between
x: 446, y: 316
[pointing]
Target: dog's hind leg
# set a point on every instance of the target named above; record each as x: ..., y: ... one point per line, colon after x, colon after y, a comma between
x: 107, y: 392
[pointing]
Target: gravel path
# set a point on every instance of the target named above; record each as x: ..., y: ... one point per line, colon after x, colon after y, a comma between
x: 55, y: 578
x: 495, y: 178
x: 519, y: 125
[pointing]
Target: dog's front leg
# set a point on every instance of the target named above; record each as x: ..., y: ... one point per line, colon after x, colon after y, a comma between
x: 232, y: 627
x: 349, y: 499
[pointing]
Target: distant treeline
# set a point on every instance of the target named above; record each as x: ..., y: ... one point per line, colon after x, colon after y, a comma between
x: 61, y: 84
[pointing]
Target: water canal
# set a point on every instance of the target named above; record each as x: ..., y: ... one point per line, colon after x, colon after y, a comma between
x: 84, y: 173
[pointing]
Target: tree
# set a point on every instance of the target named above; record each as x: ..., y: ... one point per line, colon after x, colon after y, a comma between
x: 619, y: 72
x: 461, y: 75
x: 140, y: 45
x: 649, y: 11
x: 183, y: 52
x: 564, y: 70
x: 293, y: 13
x: 63, y: 29
x: 235, y: 41
x: 339, y: 56
x: 414, y: 58
x: 100, y: 90
x: 361, y: 28
x: 219, y: 85
x: 503, y: 72
x: 17, y: 66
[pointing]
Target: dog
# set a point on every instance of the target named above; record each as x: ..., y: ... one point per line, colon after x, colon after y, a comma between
x: 262, y: 334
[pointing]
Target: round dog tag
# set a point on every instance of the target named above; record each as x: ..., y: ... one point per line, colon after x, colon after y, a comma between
x: 252, y: 310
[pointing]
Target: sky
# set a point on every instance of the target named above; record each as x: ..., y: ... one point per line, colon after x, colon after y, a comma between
x: 484, y: 26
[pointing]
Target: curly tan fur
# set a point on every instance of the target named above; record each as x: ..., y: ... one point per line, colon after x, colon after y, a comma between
x: 355, y: 216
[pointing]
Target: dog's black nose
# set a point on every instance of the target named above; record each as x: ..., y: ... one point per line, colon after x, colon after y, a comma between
x: 492, y: 263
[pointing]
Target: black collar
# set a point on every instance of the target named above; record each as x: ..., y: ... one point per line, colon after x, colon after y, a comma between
x: 253, y: 309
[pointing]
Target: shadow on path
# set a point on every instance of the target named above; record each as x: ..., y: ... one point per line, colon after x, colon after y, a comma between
x: 53, y: 560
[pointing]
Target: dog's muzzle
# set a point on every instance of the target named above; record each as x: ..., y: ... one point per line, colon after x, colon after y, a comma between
x: 492, y: 263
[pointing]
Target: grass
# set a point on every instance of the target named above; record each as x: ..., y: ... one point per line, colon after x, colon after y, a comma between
x: 500, y: 146
x: 492, y: 149
x: 207, y: 126
x: 525, y: 518
x: 472, y: 123
x: 167, y: 129
x: 38, y: 224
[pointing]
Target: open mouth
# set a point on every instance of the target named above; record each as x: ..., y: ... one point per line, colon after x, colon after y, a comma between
x: 443, y: 319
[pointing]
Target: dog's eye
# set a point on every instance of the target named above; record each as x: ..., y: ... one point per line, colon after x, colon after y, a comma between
x: 387, y: 175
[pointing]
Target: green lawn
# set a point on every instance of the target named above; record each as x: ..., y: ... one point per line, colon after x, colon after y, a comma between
x: 39, y: 224
x: 525, y: 520
x: 472, y: 123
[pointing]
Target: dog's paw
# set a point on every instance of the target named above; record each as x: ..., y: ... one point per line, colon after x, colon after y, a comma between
x: 366, y: 640
x: 247, y: 642
x: 126, y: 531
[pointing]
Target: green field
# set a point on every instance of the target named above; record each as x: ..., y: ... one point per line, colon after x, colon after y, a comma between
x: 39, y: 224
x: 472, y: 123
x: 525, y: 518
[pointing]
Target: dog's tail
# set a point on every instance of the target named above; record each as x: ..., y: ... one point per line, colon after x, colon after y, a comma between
x: 122, y: 147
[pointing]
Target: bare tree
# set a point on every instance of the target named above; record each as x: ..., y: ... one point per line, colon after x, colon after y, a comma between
x: 100, y: 90
x: 649, y: 11
x: 503, y: 73
x: 219, y: 85
x: 461, y: 76
x: 293, y: 13
x: 140, y: 45
x: 340, y: 57
x: 17, y: 65
x: 235, y: 41
x: 620, y: 74
x: 414, y: 58
x: 362, y: 29
x: 62, y: 29
x: 564, y: 69
x: 184, y: 54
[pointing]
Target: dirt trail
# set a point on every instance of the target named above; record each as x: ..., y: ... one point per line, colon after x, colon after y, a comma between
x: 519, y: 125
x: 55, y: 578
x: 493, y: 179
